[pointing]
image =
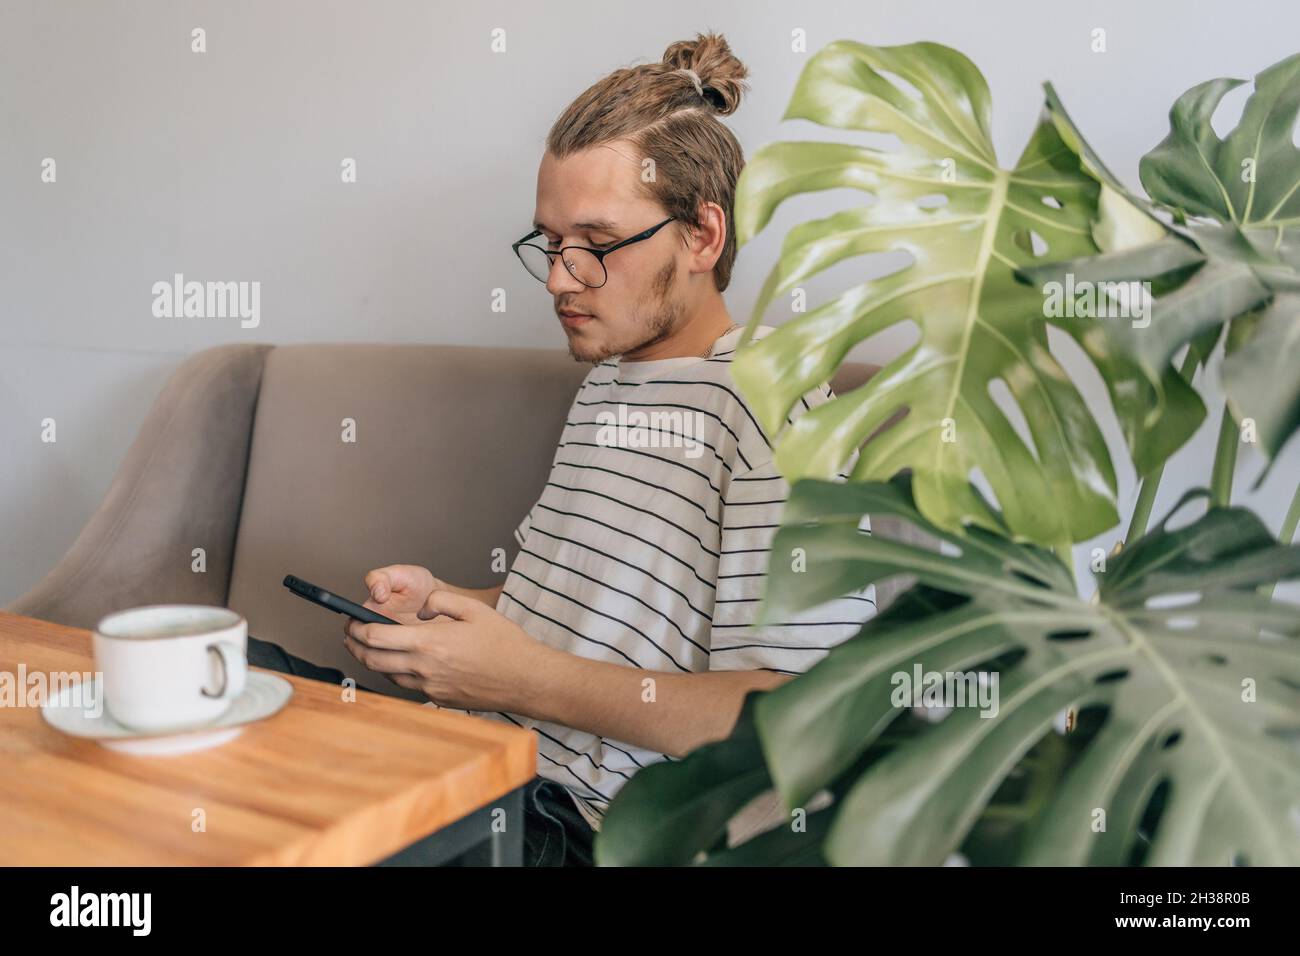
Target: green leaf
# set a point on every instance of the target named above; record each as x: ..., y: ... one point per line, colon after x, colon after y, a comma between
x: 804, y: 725
x: 669, y: 812
x: 1259, y: 373
x: 966, y: 225
x: 1194, y: 171
x: 1157, y: 408
x: 1178, y: 630
x: 791, y: 846
x: 1124, y: 219
x: 780, y: 846
x: 997, y: 837
x: 672, y: 813
x: 1233, y: 254
x: 822, y: 518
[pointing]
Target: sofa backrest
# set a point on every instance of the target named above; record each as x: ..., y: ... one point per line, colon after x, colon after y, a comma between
x: 449, y: 450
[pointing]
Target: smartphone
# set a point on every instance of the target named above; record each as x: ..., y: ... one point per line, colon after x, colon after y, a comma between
x: 318, y: 595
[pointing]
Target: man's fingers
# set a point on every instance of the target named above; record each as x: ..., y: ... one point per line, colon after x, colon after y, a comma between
x: 354, y: 629
x: 451, y: 604
x: 381, y: 661
x: 391, y: 637
x: 409, y: 681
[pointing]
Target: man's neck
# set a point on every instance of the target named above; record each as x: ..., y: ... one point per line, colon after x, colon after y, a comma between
x: 693, y: 339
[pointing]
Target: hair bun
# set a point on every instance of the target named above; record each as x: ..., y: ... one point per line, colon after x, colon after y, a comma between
x: 709, y: 58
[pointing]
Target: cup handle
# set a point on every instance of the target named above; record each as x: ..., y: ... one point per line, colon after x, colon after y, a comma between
x: 234, y: 670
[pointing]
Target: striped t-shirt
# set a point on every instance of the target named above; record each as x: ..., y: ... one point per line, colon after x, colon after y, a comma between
x: 648, y: 548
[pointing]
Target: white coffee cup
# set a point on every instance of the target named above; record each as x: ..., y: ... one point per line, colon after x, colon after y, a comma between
x: 171, y: 666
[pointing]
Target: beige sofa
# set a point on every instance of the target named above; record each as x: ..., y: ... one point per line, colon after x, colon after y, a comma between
x: 242, y: 457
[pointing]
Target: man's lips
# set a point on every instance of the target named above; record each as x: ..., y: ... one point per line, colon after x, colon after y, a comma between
x: 572, y: 320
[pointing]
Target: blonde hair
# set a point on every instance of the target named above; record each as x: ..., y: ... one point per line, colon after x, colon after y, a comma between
x: 669, y: 111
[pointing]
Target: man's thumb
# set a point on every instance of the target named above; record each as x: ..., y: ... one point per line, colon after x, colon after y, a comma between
x: 449, y: 603
x: 380, y: 584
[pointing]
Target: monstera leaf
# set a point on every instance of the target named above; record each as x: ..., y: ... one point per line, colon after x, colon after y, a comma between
x: 673, y: 813
x: 1188, y: 678
x: 1232, y: 254
x: 690, y: 801
x: 967, y: 226
x: 1198, y: 676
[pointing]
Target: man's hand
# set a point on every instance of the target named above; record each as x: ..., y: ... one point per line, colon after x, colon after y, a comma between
x: 459, y: 653
x: 399, y: 591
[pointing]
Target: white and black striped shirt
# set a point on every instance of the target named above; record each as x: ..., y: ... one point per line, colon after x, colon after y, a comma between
x: 648, y: 548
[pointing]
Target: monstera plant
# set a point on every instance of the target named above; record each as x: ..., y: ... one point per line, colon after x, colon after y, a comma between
x: 1149, y: 716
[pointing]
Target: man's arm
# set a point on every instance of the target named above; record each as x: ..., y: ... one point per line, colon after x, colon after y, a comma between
x: 462, y: 654
x: 667, y: 712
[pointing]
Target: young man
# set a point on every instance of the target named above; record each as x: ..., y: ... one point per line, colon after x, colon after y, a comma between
x: 622, y: 634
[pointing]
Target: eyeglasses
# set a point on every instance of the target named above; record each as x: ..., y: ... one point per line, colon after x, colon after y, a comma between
x: 585, y: 264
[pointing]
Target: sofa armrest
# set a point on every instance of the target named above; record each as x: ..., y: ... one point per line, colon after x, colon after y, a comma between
x: 179, y: 488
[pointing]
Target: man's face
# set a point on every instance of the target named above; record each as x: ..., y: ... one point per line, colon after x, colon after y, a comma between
x: 594, y: 198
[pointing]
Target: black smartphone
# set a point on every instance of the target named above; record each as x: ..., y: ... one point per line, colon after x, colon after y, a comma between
x: 318, y: 595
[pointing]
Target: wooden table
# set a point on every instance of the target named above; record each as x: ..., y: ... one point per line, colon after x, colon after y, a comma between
x: 323, y: 782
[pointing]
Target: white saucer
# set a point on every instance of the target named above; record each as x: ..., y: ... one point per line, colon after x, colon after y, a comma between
x: 263, y: 696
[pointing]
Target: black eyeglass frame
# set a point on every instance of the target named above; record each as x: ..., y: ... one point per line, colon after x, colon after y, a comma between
x: 600, y: 254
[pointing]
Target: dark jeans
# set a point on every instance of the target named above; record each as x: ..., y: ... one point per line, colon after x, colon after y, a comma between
x: 555, y: 832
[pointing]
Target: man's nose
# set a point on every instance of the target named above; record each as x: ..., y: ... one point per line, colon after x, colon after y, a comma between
x: 560, y: 279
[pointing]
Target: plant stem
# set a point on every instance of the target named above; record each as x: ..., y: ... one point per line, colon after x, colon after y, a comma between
x: 1065, y: 551
x: 1137, y: 524
x: 1287, y: 531
x: 1225, y: 461
x: 1291, y: 520
x: 1150, y: 484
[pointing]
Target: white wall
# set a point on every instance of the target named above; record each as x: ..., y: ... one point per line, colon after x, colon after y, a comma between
x: 225, y: 166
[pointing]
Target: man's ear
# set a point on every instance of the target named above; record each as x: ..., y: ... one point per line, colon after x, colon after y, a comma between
x: 707, y: 239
